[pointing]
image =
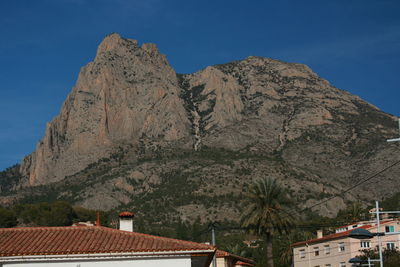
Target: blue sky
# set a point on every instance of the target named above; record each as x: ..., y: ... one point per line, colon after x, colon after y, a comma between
x: 355, y: 44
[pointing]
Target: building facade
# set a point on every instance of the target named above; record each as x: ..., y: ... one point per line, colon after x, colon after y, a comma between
x: 335, y: 250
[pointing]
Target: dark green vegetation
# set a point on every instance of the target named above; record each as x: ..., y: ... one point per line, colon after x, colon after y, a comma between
x: 58, y: 213
x: 391, y: 257
x: 9, y: 178
x: 230, y: 235
x: 211, y: 181
x: 7, y: 218
x: 265, y: 215
x: 392, y: 203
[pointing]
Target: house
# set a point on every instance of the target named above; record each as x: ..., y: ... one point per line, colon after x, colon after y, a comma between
x: 86, y: 246
x: 226, y: 259
x: 335, y: 250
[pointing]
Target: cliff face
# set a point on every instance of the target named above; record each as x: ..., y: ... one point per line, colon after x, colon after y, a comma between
x: 268, y: 103
x: 128, y: 94
x: 123, y: 128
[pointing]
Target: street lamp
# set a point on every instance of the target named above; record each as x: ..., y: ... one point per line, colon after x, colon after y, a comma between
x: 356, y: 260
x: 359, y: 262
x: 361, y: 233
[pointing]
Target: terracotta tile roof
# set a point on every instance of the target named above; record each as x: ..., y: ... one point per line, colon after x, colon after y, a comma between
x: 328, y: 237
x: 241, y: 263
x: 86, y: 240
x: 222, y: 254
x: 335, y: 235
x: 126, y: 214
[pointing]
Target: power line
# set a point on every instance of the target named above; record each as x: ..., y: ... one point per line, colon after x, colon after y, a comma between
x: 310, y: 226
x: 296, y: 226
x: 352, y: 187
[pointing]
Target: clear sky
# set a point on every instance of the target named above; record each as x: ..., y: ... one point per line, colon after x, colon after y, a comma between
x: 355, y: 44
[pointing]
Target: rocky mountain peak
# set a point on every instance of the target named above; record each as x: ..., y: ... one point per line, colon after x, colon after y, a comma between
x: 127, y: 95
x: 266, y: 115
x: 115, y: 43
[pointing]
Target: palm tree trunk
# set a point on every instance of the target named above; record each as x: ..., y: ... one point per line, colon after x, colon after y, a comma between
x: 268, y: 248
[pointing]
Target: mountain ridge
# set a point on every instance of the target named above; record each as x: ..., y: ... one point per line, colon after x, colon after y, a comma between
x: 143, y: 125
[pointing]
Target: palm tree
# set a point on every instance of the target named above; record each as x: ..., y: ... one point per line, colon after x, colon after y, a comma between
x: 355, y: 213
x: 238, y: 249
x: 265, y: 214
x: 285, y: 241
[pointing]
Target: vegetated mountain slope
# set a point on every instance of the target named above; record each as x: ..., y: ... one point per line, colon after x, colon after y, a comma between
x: 134, y: 134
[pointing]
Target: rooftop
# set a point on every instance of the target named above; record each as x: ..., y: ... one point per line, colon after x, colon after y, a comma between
x: 86, y: 240
x: 337, y: 235
x: 126, y: 214
x: 239, y: 260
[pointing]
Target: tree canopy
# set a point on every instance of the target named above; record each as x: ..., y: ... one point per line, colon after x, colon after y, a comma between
x: 265, y: 214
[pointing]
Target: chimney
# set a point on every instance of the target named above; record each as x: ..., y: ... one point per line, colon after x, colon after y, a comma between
x: 320, y: 234
x: 126, y: 221
x: 98, y: 219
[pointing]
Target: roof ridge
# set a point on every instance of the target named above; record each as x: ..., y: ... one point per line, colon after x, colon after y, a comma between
x: 229, y: 254
x: 330, y: 236
x: 103, y: 228
x: 341, y: 234
x: 45, y: 227
x: 154, y: 236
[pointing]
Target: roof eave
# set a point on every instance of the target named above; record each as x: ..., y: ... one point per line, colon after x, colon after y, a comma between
x: 145, y: 254
x: 312, y: 242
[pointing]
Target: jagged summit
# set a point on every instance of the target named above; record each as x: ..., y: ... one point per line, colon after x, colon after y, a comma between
x: 274, y: 117
x: 115, y: 44
x: 128, y: 94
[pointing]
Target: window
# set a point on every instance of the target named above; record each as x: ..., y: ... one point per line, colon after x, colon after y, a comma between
x: 390, y: 245
x: 316, y: 251
x: 302, y: 253
x: 342, y: 264
x: 341, y: 246
x: 365, y: 244
x: 328, y: 265
x: 389, y: 228
x: 327, y: 249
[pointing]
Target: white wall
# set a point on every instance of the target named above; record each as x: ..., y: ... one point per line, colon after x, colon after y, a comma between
x: 165, y: 262
x: 220, y: 262
x: 126, y: 224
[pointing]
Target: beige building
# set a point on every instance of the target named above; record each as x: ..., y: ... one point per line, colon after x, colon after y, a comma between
x: 335, y: 250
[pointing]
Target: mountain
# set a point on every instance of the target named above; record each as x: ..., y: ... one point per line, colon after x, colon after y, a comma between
x: 135, y: 134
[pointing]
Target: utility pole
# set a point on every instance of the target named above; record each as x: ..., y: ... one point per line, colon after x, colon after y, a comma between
x: 379, y: 230
x: 395, y: 139
x: 213, y: 243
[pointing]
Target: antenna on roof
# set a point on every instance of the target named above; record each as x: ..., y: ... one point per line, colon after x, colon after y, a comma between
x: 396, y: 139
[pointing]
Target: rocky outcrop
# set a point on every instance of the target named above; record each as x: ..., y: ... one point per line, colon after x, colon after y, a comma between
x: 266, y: 116
x: 127, y: 95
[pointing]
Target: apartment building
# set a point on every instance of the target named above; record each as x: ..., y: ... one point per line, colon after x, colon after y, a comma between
x: 335, y: 250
